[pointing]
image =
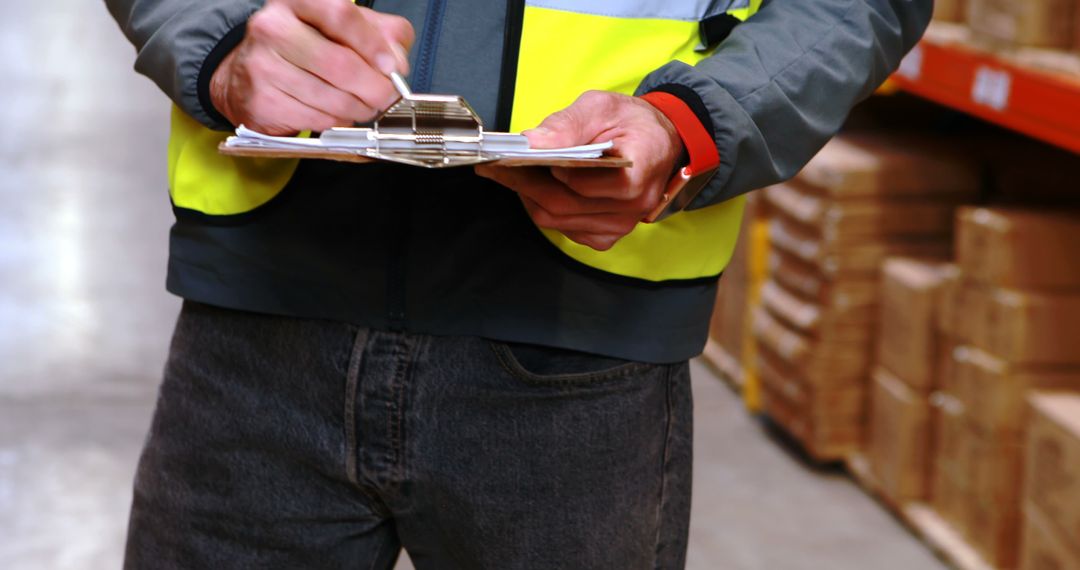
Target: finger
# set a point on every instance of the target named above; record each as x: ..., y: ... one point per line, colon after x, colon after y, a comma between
x: 617, y: 224
x: 318, y: 94
x: 347, y: 24
x: 538, y: 185
x: 598, y: 242
x: 304, y: 47
x: 397, y: 30
x: 619, y: 184
x: 290, y: 115
x: 583, y: 122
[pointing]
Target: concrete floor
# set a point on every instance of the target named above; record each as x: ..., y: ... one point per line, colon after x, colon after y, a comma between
x: 84, y: 324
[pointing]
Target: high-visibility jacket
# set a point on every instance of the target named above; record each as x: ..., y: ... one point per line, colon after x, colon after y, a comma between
x: 566, y: 48
x: 448, y: 253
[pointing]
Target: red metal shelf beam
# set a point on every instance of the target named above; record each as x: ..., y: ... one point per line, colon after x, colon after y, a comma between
x: 1041, y: 104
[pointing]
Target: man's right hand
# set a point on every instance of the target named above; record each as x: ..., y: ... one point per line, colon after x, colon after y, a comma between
x: 311, y: 65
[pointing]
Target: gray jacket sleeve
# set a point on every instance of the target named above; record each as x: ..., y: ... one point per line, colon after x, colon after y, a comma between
x: 175, y: 38
x: 783, y: 82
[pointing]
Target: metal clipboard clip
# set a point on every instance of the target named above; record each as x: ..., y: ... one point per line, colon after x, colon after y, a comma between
x: 433, y: 131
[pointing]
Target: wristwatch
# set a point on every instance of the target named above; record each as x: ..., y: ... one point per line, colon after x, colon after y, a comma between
x: 690, y: 179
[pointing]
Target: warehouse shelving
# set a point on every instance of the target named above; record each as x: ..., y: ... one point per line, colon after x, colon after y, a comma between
x: 1034, y: 92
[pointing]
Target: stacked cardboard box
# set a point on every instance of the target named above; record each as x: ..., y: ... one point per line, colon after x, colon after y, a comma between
x: 862, y: 199
x: 949, y: 10
x: 1011, y: 320
x: 1076, y: 29
x: 900, y: 429
x: 726, y: 330
x: 1051, y: 539
x: 1034, y: 23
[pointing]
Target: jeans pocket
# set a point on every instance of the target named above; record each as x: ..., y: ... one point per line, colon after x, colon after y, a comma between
x: 546, y: 365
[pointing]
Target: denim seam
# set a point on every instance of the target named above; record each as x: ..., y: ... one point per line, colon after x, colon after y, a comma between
x: 395, y: 419
x: 668, y: 429
x: 352, y: 447
x: 351, y: 376
x: 510, y: 364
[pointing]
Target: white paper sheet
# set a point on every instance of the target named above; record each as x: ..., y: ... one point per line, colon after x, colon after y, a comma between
x: 506, y: 145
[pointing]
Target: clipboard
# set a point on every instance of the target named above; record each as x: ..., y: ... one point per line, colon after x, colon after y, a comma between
x: 423, y: 130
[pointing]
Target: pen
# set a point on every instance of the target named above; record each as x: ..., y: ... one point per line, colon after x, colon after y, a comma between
x: 400, y: 84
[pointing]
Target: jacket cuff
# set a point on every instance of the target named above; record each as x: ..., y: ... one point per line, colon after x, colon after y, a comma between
x: 688, y: 97
x: 720, y: 116
x: 210, y: 65
x: 695, y: 132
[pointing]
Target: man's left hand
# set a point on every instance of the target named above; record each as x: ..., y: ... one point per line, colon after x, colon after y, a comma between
x: 597, y: 206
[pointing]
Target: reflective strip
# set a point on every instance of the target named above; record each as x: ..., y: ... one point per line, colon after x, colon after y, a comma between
x: 564, y: 54
x: 201, y: 179
x: 686, y: 10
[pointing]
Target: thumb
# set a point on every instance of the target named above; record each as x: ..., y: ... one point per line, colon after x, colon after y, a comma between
x: 545, y: 137
x: 555, y: 132
x: 578, y: 124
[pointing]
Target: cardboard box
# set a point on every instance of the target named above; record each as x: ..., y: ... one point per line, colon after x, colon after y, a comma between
x: 994, y: 530
x: 829, y: 442
x: 827, y: 422
x: 949, y: 10
x: 1076, y: 32
x: 945, y: 369
x: 834, y: 260
x: 899, y: 439
x: 864, y: 164
x: 1023, y: 327
x: 952, y: 461
x: 846, y: 324
x: 1052, y: 469
x: 973, y: 313
x: 1036, y: 23
x: 964, y: 308
x: 820, y: 364
x: 858, y: 219
x: 994, y: 392
x: 995, y: 491
x: 948, y: 498
x: 1019, y: 249
x: 808, y: 283
x: 1042, y: 548
x: 837, y: 406
x: 728, y: 324
x: 947, y: 313
x: 907, y: 337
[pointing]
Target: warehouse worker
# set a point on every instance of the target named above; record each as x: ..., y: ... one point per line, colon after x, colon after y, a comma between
x: 486, y: 366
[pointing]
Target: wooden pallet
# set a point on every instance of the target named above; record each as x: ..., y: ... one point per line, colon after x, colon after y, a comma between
x: 809, y: 455
x: 934, y: 531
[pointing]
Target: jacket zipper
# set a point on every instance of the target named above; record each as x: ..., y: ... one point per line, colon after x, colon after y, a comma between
x: 515, y: 15
x: 429, y: 45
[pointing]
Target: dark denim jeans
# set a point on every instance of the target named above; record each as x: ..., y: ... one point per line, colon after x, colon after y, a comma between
x: 290, y: 443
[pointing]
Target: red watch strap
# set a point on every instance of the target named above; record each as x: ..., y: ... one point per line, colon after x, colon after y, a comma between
x: 699, y: 145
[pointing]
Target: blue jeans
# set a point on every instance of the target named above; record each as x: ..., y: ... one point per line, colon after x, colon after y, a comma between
x: 290, y: 443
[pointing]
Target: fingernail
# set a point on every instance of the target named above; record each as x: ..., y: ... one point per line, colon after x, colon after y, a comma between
x: 402, y: 57
x: 386, y: 63
x: 542, y: 131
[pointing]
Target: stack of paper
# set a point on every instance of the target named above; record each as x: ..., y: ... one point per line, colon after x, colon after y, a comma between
x: 496, y: 145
